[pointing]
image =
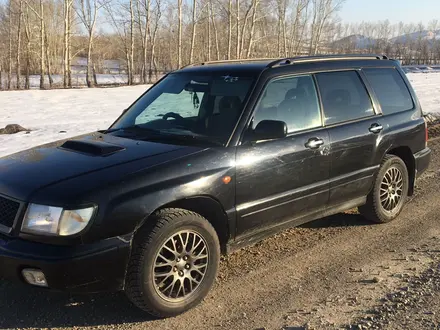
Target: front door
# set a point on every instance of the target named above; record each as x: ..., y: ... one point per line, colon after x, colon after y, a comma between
x: 284, y: 180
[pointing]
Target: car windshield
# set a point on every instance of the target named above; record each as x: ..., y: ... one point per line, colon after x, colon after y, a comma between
x: 189, y: 108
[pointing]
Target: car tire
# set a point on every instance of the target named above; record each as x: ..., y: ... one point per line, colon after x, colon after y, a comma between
x: 389, y: 193
x: 173, y: 263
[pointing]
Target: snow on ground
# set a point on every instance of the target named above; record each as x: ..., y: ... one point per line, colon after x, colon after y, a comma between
x: 78, y: 79
x: 46, y: 113
x: 79, y: 111
x: 427, y: 86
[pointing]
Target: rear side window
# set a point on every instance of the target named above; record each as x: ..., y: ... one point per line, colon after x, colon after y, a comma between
x: 391, y: 91
x: 344, y: 97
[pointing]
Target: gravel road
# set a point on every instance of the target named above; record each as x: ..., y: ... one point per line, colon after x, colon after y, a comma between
x: 335, y: 273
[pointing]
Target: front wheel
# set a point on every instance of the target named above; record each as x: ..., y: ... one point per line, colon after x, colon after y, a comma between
x: 389, y: 193
x: 173, y: 264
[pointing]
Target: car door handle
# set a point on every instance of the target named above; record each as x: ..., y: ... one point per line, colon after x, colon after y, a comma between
x: 314, y: 143
x: 376, y: 128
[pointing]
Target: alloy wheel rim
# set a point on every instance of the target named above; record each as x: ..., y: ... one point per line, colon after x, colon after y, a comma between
x: 391, y: 189
x: 180, y: 266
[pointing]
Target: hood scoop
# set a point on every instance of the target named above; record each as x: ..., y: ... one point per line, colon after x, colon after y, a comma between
x: 92, y: 148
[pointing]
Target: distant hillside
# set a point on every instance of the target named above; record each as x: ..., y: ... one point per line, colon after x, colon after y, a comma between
x: 357, y: 41
x: 360, y: 41
x: 424, y: 35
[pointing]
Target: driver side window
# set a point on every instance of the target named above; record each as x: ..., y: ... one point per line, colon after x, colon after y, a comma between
x: 293, y: 100
x: 186, y: 105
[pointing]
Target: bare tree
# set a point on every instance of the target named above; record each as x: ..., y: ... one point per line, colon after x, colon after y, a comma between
x: 229, y: 29
x: 67, y: 12
x: 131, y: 55
x: 40, y: 16
x: 179, y: 42
x: 208, y: 21
x: 153, y: 37
x: 18, y: 51
x: 322, y: 12
x: 214, y: 25
x: 251, y: 34
x: 87, y: 11
x: 144, y: 29
x: 10, y: 44
x: 193, y: 34
x: 28, y: 48
x: 237, y: 3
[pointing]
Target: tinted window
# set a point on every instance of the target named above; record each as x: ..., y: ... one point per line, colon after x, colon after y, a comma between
x: 344, y: 96
x: 390, y: 89
x: 183, y: 105
x: 292, y: 100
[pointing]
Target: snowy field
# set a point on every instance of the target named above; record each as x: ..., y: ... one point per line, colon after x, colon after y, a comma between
x: 79, y: 111
x: 78, y: 80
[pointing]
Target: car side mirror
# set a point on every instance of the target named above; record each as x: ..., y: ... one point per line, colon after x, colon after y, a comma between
x: 270, y: 130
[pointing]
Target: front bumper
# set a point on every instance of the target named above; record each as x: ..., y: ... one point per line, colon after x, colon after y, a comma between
x: 422, y: 159
x: 93, y: 267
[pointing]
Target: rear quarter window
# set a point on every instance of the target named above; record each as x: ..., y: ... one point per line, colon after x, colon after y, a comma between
x: 390, y: 89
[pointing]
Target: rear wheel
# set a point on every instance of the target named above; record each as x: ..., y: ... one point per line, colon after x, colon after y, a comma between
x: 389, y: 193
x: 173, y: 264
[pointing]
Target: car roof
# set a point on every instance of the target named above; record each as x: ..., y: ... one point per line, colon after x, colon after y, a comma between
x: 256, y: 66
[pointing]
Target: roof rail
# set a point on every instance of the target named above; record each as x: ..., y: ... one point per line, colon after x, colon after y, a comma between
x: 302, y: 59
x: 241, y: 60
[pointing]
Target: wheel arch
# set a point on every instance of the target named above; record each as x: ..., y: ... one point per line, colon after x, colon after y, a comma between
x: 405, y: 153
x: 209, y: 208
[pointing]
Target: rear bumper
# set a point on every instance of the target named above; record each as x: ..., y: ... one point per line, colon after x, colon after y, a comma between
x: 422, y: 159
x: 93, y: 267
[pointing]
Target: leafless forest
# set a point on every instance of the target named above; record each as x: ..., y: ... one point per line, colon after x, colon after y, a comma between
x: 143, y: 38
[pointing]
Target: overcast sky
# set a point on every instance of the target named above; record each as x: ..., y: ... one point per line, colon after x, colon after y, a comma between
x: 395, y: 10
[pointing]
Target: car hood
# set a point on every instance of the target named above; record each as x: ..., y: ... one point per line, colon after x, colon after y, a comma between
x: 23, y: 173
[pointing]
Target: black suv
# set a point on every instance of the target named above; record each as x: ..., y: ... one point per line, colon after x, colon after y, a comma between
x: 213, y: 157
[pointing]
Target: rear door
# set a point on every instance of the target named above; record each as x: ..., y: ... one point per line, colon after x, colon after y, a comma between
x: 284, y: 179
x: 354, y: 129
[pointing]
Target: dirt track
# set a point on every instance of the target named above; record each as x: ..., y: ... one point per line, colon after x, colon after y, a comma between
x: 332, y: 273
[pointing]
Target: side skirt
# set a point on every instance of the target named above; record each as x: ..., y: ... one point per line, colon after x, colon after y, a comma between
x: 258, y: 235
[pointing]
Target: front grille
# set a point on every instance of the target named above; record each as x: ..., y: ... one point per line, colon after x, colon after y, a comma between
x: 8, y: 211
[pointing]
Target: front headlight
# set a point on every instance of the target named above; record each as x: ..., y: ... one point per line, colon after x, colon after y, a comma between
x: 49, y: 220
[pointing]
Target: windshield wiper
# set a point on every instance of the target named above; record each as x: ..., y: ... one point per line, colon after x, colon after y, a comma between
x: 140, y: 129
x: 187, y: 137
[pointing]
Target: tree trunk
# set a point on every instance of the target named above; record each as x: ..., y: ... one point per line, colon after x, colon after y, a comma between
x: 65, y: 41
x: 284, y: 29
x: 147, y: 32
x: 238, y: 28
x: 209, y: 30
x: 179, y: 42
x: 10, y: 46
x: 17, y: 60
x: 69, y: 46
x: 95, y: 80
x: 28, y: 49
x: 243, y: 28
x: 28, y: 65
x: 131, y: 80
x: 217, y: 50
x: 251, y: 36
x: 42, y: 45
x: 48, y: 63
x: 89, y: 81
x: 193, y: 34
x: 229, y: 28
x: 152, y: 55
